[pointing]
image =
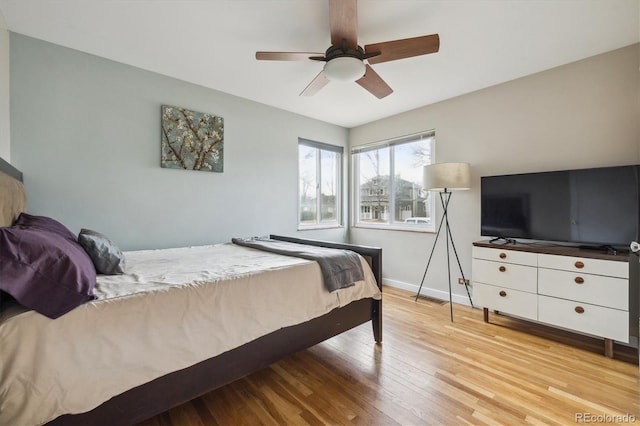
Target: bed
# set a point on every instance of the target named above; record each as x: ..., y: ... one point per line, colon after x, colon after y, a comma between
x: 208, y: 330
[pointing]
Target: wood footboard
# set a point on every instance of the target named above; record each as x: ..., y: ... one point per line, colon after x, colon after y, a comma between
x: 373, y: 256
x: 181, y: 386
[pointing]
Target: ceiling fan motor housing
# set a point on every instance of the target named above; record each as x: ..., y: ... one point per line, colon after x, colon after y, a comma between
x: 343, y: 64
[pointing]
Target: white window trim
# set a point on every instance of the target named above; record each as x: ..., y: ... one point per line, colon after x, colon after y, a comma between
x: 338, y: 223
x: 355, y: 169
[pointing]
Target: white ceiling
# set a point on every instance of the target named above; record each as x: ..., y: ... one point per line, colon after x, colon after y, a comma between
x: 213, y: 42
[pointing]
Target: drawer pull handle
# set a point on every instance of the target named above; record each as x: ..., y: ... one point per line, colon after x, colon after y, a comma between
x: 503, y: 293
x: 579, y: 264
x: 579, y: 309
x: 502, y: 269
x: 579, y: 280
x: 503, y: 255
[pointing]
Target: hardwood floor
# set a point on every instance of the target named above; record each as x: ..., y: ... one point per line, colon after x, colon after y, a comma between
x: 429, y: 371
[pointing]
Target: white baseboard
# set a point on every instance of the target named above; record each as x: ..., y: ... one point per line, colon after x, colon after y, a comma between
x: 429, y: 292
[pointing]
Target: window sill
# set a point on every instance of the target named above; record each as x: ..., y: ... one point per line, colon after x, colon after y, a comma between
x: 319, y: 226
x: 399, y: 227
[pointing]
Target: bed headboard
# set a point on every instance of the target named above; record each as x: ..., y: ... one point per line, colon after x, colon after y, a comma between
x: 10, y: 170
x: 13, y: 199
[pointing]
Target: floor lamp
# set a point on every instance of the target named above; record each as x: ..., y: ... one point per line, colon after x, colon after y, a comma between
x: 444, y: 178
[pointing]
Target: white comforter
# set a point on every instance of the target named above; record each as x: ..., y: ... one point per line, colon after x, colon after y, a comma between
x: 173, y: 309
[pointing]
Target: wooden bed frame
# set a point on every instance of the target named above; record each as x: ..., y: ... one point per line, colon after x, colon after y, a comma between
x: 176, y: 388
x: 181, y: 386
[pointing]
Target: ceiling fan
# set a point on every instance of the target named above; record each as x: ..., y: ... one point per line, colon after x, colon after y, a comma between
x: 346, y: 61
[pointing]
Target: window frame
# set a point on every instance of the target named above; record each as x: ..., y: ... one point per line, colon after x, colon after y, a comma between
x: 356, y: 184
x: 339, y: 151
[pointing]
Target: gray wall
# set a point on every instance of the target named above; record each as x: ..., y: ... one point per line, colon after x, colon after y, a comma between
x: 86, y: 134
x: 584, y: 114
x: 5, y: 128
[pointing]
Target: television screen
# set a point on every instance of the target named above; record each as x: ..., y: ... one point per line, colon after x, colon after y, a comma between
x: 588, y: 206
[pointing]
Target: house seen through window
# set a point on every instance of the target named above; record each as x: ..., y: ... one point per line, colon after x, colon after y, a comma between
x: 319, y: 184
x: 388, y: 188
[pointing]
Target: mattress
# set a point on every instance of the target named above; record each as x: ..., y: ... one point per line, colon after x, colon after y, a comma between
x: 172, y: 309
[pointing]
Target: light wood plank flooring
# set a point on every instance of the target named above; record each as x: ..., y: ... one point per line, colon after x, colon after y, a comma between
x: 429, y: 371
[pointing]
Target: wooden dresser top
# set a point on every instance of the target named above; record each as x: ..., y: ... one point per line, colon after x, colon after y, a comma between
x: 547, y: 248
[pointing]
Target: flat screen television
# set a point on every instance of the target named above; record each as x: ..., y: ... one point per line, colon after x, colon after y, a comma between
x: 592, y: 207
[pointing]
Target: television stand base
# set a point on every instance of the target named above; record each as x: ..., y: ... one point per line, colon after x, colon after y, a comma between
x: 537, y: 282
x: 504, y: 240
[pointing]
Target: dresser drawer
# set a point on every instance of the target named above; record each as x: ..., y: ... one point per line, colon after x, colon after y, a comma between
x: 584, y: 265
x: 507, y: 300
x: 509, y: 256
x: 518, y: 277
x: 596, y: 320
x: 594, y: 289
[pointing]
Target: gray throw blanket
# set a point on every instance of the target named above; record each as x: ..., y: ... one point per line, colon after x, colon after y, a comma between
x: 340, y: 268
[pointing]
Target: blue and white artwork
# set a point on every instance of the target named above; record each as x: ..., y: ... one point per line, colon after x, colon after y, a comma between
x: 192, y: 140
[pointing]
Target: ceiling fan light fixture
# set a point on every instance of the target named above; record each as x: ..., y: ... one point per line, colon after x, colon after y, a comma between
x: 345, y: 68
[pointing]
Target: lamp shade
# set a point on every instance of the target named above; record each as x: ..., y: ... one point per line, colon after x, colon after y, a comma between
x: 447, y: 177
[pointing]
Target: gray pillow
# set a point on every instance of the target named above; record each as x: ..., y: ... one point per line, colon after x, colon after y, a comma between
x: 106, y: 256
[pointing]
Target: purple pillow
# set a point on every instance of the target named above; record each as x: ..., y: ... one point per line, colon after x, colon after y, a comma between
x: 43, y: 223
x: 45, y: 271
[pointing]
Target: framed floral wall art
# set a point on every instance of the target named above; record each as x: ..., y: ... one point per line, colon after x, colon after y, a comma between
x: 192, y: 140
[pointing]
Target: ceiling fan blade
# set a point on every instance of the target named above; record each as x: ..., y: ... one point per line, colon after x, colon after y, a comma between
x: 316, y: 84
x: 343, y: 19
x: 374, y: 84
x: 405, y: 48
x: 286, y: 56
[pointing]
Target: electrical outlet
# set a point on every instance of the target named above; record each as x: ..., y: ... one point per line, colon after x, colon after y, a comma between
x: 462, y: 281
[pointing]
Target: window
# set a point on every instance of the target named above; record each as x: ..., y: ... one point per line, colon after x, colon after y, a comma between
x: 387, y: 180
x: 319, y: 184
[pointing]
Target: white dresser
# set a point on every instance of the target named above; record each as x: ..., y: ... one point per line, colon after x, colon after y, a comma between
x: 579, y: 290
